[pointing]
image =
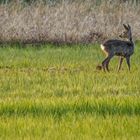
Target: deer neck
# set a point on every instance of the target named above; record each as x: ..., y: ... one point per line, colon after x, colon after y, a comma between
x: 131, y: 40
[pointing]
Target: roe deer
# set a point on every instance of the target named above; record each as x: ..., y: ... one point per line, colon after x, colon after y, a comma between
x: 121, y: 48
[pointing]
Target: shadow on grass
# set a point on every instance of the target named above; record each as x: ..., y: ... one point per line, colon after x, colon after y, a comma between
x: 60, y: 110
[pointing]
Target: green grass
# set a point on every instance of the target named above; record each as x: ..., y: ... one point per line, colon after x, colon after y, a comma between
x: 56, y: 93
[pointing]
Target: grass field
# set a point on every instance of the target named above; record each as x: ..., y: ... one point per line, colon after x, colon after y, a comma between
x: 55, y: 93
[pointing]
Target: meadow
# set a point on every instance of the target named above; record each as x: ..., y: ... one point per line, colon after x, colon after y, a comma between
x: 56, y: 93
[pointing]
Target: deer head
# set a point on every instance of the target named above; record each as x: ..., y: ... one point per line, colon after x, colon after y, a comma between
x: 126, y: 33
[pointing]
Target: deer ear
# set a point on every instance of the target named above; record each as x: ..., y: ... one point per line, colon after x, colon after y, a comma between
x: 126, y: 27
x: 129, y: 26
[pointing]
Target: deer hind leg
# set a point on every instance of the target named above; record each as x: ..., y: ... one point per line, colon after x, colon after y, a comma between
x: 120, y: 63
x: 105, y: 63
x: 128, y: 62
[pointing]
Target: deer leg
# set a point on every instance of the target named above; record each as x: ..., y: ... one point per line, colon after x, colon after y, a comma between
x: 120, y: 63
x: 105, y: 62
x: 107, y: 65
x: 128, y: 62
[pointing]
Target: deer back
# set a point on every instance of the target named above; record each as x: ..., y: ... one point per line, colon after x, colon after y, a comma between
x: 118, y: 47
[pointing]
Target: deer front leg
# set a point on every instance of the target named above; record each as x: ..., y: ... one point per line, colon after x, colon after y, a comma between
x: 120, y: 63
x: 128, y: 62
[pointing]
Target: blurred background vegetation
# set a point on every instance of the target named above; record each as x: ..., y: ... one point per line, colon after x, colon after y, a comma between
x: 98, y: 2
x: 67, y: 21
